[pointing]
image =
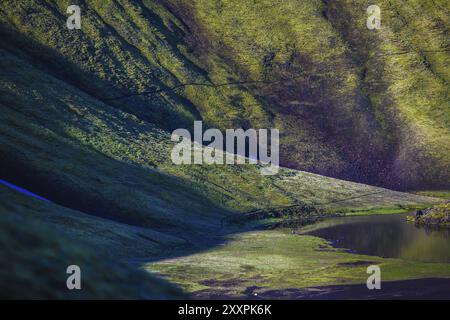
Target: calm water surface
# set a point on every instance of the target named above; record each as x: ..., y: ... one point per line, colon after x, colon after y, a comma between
x: 388, y: 236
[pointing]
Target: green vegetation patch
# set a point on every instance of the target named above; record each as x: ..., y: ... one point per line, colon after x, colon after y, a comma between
x: 275, y: 260
x: 437, y: 216
x: 442, y: 194
x: 36, y: 252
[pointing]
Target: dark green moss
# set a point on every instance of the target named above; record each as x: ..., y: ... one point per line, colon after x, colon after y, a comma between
x: 35, y: 257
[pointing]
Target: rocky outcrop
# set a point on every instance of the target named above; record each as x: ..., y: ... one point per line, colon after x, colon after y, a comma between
x: 439, y: 216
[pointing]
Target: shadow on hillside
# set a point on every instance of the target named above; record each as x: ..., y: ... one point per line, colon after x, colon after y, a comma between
x: 145, y: 107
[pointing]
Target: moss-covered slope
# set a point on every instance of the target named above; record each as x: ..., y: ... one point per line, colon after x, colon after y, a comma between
x: 350, y: 102
x: 86, y: 118
x: 437, y: 216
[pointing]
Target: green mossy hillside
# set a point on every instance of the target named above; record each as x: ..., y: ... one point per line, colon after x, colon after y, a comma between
x: 363, y: 105
x: 35, y: 255
x: 86, y: 117
x: 67, y: 146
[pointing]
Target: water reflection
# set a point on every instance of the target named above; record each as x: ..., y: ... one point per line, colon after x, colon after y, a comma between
x: 387, y: 236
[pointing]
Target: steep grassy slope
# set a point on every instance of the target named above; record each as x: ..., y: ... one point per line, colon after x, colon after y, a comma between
x: 364, y: 105
x: 34, y: 257
x: 108, y: 237
x: 69, y: 147
x: 86, y: 116
x: 351, y: 102
x: 73, y: 149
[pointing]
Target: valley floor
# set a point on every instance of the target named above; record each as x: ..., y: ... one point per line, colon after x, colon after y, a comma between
x: 278, y: 264
x: 429, y: 288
